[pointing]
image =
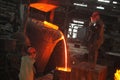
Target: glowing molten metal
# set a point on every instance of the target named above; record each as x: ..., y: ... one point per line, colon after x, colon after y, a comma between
x: 43, y: 6
x: 50, y: 25
x: 64, y: 69
x: 117, y: 75
x: 66, y: 58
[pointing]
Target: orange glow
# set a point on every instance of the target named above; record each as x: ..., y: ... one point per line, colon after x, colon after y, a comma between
x: 64, y: 69
x: 65, y: 53
x: 117, y: 75
x: 43, y: 6
x: 66, y: 58
x: 50, y: 25
x: 62, y: 37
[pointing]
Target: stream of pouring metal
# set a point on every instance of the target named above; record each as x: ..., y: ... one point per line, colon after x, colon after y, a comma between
x: 66, y: 57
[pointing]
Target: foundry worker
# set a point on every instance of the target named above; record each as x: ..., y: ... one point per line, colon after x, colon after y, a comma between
x: 27, y: 69
x: 94, y: 37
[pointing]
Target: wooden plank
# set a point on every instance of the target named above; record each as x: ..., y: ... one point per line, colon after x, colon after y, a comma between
x: 82, y: 71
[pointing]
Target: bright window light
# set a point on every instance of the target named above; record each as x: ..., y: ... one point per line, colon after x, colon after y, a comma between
x: 74, y: 35
x: 75, y: 30
x: 70, y: 29
x: 68, y: 36
x: 105, y: 1
x: 79, y: 4
x: 76, y: 27
x: 76, y: 21
x: 115, y: 2
x: 100, y: 7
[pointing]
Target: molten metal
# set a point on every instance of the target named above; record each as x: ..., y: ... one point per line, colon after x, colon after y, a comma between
x: 43, y: 6
x: 66, y: 56
x: 65, y: 53
x: 117, y: 75
x: 50, y: 25
x: 63, y: 69
x: 62, y: 73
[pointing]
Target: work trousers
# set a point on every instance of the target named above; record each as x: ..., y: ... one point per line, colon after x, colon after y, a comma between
x: 92, y: 56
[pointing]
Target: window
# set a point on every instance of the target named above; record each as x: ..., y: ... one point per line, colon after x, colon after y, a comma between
x: 73, y: 28
x: 105, y: 1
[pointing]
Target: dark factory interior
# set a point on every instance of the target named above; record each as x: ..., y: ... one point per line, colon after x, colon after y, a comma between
x: 57, y: 30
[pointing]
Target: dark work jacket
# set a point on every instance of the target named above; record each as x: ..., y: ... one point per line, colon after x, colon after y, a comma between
x: 95, y: 34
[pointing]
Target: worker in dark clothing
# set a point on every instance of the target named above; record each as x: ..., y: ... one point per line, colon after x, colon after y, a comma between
x: 94, y: 37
